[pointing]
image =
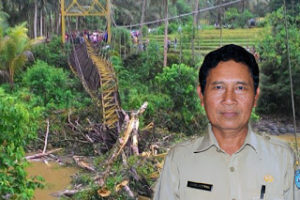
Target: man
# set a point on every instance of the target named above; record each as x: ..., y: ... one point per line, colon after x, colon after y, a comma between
x: 230, y: 162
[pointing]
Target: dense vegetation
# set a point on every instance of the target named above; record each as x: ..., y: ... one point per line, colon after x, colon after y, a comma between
x: 275, y: 74
x: 18, y: 126
x: 33, y: 91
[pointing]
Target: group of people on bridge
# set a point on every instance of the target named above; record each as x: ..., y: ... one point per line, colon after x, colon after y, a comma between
x: 93, y: 36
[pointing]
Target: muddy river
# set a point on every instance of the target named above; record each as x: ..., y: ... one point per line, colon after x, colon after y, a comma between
x: 290, y: 138
x: 56, y: 177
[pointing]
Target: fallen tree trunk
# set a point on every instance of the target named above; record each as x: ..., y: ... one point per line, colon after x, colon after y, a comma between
x: 120, y: 144
x: 39, y: 155
x: 68, y: 193
x: 83, y: 164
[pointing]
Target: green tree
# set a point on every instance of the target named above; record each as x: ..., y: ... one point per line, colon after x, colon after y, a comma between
x: 179, y: 83
x: 54, y: 53
x: 275, y: 87
x: 18, y: 126
x: 235, y: 19
x: 52, y: 85
x: 13, y: 45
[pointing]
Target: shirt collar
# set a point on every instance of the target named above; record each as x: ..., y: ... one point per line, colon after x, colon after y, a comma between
x: 210, y: 140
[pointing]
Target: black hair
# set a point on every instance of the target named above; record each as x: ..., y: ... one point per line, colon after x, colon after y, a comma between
x: 226, y: 53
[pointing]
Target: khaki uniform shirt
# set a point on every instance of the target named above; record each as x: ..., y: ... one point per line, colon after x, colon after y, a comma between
x: 263, y: 168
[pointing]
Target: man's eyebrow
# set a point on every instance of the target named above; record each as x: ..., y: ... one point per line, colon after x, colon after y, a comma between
x: 242, y: 82
x: 222, y: 82
x: 217, y: 82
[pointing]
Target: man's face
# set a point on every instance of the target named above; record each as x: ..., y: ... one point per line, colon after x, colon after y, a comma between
x: 229, y: 96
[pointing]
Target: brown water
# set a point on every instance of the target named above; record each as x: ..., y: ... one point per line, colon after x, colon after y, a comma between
x: 56, y: 177
x: 290, y: 138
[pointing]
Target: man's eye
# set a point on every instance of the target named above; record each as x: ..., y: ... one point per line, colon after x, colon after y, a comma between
x: 241, y: 87
x: 218, y: 87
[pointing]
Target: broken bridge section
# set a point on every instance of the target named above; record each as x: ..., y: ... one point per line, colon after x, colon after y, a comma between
x: 99, y: 80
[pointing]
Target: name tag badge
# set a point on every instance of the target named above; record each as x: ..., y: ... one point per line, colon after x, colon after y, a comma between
x: 200, y: 186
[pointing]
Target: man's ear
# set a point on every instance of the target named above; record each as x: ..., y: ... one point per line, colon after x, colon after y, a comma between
x: 256, y: 96
x: 200, y: 95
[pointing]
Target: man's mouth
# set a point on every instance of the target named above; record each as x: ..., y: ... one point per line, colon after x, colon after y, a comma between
x: 229, y: 114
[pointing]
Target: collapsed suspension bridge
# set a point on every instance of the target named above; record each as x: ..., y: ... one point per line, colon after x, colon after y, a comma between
x: 99, y: 80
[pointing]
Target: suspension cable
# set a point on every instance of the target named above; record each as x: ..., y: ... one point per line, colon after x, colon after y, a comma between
x: 183, y: 15
x: 291, y: 78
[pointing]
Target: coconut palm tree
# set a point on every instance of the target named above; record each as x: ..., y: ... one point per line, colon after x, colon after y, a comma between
x: 12, y: 48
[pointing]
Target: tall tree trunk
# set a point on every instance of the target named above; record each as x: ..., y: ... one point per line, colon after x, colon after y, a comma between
x: 50, y: 27
x: 35, y: 18
x: 56, y: 14
x: 77, y: 22
x: 195, y: 28
x: 58, y: 24
x: 166, y: 34
x: 142, y: 21
x: 30, y: 24
x: 58, y: 20
x: 41, y: 22
x: 243, y: 5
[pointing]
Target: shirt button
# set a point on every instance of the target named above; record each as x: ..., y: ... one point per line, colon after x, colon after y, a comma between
x: 232, y: 170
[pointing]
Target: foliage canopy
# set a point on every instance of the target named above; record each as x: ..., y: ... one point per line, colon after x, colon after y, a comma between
x: 18, y: 125
x: 275, y: 75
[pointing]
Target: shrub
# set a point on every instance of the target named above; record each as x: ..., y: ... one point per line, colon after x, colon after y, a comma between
x: 235, y: 19
x: 172, y: 28
x: 53, y: 52
x: 178, y: 82
x: 145, y: 31
x: 146, y: 65
x: 18, y: 126
x: 51, y: 84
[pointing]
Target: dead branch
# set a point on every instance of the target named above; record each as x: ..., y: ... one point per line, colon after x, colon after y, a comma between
x: 135, y: 142
x: 120, y: 144
x: 78, y: 127
x: 124, y: 185
x: 73, y: 140
x: 83, y: 164
x: 39, y: 155
x: 68, y: 193
x: 46, y: 137
x: 88, y: 138
x: 129, y: 191
x: 148, y: 127
x: 124, y: 159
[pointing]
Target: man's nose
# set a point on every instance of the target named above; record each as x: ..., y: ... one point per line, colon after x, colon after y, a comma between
x: 229, y: 96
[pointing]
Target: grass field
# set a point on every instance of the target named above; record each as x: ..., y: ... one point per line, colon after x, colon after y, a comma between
x: 207, y: 40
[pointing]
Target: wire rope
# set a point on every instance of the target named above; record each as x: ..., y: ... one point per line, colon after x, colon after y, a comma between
x: 184, y: 15
x: 290, y: 77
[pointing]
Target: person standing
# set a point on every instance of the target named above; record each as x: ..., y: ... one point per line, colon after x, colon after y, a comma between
x: 230, y: 162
